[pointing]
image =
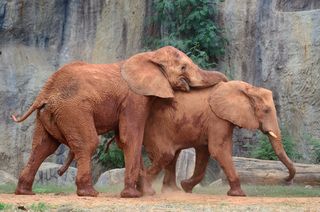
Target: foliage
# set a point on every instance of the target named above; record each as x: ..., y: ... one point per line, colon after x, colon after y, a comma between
x: 263, y: 149
x: 113, y: 158
x: 189, y: 26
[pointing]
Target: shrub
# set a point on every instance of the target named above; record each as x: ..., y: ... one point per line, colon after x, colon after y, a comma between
x: 189, y: 26
x: 263, y: 149
x: 113, y: 158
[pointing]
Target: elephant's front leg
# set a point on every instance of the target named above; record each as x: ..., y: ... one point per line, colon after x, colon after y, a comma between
x: 131, y: 128
x: 221, y: 150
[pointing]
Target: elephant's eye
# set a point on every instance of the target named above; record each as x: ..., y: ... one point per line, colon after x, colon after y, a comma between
x: 184, y: 68
x: 267, y: 110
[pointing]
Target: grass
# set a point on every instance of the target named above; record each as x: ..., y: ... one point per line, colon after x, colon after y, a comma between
x: 40, y: 189
x: 263, y: 190
x: 5, y: 207
x: 250, y: 190
x: 39, y: 207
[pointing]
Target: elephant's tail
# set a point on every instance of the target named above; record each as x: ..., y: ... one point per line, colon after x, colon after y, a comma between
x: 39, y: 102
x: 33, y: 107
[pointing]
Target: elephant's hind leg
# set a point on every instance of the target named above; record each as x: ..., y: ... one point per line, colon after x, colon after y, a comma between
x: 169, y: 179
x: 43, y: 145
x: 162, y: 160
x: 83, y: 140
x: 202, y: 158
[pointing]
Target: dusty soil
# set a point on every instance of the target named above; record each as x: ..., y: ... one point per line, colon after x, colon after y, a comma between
x: 177, y: 201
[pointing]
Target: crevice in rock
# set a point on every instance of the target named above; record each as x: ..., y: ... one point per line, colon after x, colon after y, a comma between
x: 297, y: 5
x: 64, y: 24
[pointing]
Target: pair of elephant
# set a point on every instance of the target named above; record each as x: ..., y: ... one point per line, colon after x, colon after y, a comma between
x: 204, y: 119
x: 81, y: 101
x: 140, y: 99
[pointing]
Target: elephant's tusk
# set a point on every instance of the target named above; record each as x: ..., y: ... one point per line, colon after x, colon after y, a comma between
x: 272, y: 134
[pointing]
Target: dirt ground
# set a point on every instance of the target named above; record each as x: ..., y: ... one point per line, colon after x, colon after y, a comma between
x: 177, y: 201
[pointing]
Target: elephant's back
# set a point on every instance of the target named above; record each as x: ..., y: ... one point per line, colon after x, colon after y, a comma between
x: 85, y: 84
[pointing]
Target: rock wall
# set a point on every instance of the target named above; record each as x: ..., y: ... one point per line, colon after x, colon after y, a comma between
x: 37, y: 37
x: 276, y: 44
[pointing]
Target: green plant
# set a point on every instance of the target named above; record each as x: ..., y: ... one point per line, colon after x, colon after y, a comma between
x: 5, y: 206
x: 39, y: 207
x: 263, y: 149
x: 113, y: 158
x: 189, y: 26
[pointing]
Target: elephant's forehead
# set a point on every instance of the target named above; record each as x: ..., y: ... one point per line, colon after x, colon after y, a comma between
x: 265, y: 94
x: 182, y: 59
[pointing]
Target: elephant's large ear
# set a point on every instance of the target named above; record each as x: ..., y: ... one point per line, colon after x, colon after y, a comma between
x: 144, y: 74
x: 230, y: 101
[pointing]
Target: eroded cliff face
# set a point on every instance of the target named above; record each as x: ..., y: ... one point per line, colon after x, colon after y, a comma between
x: 276, y: 44
x: 37, y: 37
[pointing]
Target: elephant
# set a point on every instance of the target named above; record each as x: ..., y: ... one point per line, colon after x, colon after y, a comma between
x: 205, y: 119
x: 81, y: 101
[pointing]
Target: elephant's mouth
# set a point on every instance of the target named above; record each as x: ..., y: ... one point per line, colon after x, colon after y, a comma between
x: 183, y: 84
x: 267, y: 132
x: 262, y: 129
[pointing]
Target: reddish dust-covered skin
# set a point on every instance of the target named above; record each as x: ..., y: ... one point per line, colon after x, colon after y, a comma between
x: 81, y: 101
x: 205, y: 119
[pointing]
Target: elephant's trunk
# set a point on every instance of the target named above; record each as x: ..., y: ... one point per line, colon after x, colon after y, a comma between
x: 203, y: 79
x: 282, y: 155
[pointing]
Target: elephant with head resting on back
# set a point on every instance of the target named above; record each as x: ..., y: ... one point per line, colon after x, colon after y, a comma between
x: 204, y: 119
x: 81, y: 101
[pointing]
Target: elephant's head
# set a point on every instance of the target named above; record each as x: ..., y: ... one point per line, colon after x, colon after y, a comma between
x: 159, y: 72
x: 252, y: 108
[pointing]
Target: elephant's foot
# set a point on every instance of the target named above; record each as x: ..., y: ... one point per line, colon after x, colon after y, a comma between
x: 148, y: 191
x: 170, y: 188
x: 24, y: 188
x: 21, y: 191
x: 236, y: 192
x: 186, y: 186
x: 130, y: 192
x: 145, y: 187
x: 87, y: 191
